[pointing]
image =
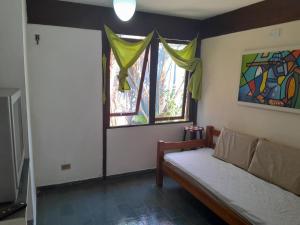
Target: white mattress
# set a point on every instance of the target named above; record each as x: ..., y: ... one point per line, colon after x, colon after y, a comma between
x: 258, y: 201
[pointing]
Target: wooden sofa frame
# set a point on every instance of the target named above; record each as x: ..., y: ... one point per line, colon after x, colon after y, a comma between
x: 195, y: 188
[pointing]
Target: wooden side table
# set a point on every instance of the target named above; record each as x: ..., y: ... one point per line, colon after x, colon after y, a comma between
x: 192, y: 132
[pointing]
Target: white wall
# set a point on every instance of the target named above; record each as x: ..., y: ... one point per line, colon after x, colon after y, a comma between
x: 13, y: 70
x: 66, y: 108
x: 134, y: 149
x: 221, y: 68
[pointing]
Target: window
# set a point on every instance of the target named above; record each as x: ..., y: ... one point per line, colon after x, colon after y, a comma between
x: 133, y: 107
x: 130, y: 107
x: 171, y: 85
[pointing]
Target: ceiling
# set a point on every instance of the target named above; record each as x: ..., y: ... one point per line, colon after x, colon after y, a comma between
x: 195, y: 9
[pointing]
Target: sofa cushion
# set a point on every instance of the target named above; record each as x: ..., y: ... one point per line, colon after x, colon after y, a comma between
x: 277, y: 164
x: 235, y: 148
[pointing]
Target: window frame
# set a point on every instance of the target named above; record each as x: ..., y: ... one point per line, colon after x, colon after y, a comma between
x: 189, y: 104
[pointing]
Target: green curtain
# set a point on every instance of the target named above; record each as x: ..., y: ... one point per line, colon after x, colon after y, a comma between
x: 126, y: 54
x: 185, y: 58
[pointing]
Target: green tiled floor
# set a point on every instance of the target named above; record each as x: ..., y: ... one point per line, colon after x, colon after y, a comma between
x: 131, y: 200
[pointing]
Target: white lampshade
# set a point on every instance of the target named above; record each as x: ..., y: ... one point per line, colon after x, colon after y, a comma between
x: 124, y: 9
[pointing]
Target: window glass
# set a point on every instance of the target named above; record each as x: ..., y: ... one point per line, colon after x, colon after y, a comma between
x: 171, y: 97
x: 129, y: 107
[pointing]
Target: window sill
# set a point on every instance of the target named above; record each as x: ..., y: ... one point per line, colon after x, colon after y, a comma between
x: 155, y: 124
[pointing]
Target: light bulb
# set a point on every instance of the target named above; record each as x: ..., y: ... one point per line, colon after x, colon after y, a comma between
x: 124, y: 9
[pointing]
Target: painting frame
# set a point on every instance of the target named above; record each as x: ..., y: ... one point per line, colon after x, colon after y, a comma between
x: 265, y: 106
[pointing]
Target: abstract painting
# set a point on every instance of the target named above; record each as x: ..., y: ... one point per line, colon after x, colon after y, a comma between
x: 271, y: 79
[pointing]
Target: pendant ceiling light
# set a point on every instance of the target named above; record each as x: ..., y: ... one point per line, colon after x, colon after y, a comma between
x: 124, y: 9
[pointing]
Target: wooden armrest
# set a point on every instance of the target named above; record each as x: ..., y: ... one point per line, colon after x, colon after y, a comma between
x: 163, y: 146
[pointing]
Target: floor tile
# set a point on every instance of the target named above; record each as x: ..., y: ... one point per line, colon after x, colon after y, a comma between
x: 122, y: 201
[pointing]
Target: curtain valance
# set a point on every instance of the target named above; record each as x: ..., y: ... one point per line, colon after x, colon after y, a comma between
x: 126, y: 54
